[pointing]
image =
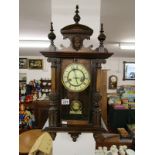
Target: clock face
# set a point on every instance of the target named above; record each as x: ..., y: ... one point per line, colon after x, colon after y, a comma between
x: 76, y: 78
x: 113, y: 79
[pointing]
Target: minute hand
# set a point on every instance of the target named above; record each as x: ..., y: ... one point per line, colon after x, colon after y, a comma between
x: 75, y: 76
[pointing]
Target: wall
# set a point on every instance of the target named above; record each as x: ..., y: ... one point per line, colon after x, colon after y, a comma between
x: 37, y: 74
x: 114, y: 66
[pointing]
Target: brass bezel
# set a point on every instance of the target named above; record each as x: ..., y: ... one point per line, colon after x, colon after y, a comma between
x: 70, y: 90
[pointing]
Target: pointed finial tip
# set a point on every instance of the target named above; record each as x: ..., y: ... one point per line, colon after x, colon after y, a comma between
x: 101, y: 28
x: 52, y: 26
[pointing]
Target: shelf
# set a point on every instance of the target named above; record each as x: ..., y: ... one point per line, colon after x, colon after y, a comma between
x: 45, y: 86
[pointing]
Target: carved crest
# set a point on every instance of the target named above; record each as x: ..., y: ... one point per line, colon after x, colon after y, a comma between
x: 76, y: 32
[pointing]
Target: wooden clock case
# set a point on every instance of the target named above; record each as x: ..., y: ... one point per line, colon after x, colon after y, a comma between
x: 60, y: 118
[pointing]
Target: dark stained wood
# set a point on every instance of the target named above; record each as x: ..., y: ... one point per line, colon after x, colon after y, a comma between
x: 77, y: 122
x: 54, y: 110
x: 89, y: 97
x: 102, y: 88
x: 84, y: 97
x: 41, y: 108
x: 90, y: 118
x: 76, y: 33
x: 53, y: 79
x: 52, y: 36
x: 80, y: 55
x: 75, y: 135
x: 75, y: 129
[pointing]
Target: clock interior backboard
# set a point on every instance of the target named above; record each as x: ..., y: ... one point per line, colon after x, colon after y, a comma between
x: 84, y: 96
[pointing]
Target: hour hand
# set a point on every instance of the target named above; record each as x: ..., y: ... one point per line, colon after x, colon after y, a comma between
x: 75, y: 77
x: 82, y: 79
x: 69, y: 80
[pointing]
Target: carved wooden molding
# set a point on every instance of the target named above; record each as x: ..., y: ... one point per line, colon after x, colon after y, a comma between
x: 74, y: 131
x: 76, y: 33
x: 53, y: 110
x: 74, y: 135
x: 53, y: 61
x: 53, y: 135
x: 80, y: 55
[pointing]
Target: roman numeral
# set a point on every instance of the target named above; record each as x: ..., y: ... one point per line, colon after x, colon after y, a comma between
x: 84, y: 83
x: 66, y: 81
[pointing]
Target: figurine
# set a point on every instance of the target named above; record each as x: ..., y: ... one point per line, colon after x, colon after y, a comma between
x: 109, y: 153
x: 114, y: 150
x: 26, y: 118
x: 22, y: 89
x: 130, y: 152
x: 35, y: 96
x: 121, y: 150
x: 43, y: 97
x: 29, y: 98
x: 105, y: 150
x: 124, y: 147
x: 38, y: 88
x: 100, y: 150
x: 21, y: 115
x: 97, y: 152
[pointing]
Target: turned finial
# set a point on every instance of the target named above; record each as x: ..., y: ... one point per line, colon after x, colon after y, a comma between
x: 77, y: 17
x: 51, y: 35
x: 102, y: 36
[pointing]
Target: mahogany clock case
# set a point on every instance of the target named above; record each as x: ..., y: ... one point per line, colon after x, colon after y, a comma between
x: 86, y: 101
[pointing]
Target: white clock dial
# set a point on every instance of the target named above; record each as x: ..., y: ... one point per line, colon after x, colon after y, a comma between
x: 76, y: 78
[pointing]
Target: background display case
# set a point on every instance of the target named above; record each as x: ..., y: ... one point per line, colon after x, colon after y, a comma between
x: 45, y: 86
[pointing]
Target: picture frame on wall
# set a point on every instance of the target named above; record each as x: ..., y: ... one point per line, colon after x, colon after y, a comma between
x: 128, y: 70
x: 113, y: 82
x: 23, y: 63
x: 35, y: 63
x: 22, y: 77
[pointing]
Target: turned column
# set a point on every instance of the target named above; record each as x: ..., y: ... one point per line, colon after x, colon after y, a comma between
x: 54, y: 115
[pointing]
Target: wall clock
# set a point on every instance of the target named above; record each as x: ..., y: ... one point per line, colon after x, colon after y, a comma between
x: 76, y: 77
x: 74, y: 96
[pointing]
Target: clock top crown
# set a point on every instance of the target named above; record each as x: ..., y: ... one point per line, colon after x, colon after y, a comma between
x: 76, y: 32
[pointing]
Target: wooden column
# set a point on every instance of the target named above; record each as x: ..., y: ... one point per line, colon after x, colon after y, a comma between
x: 102, y: 88
x: 53, y: 80
x: 53, y: 112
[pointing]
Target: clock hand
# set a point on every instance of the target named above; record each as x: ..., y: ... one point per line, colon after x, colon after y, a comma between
x: 82, y: 79
x: 75, y: 76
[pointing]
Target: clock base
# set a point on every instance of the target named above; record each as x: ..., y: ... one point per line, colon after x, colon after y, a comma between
x: 75, y: 131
